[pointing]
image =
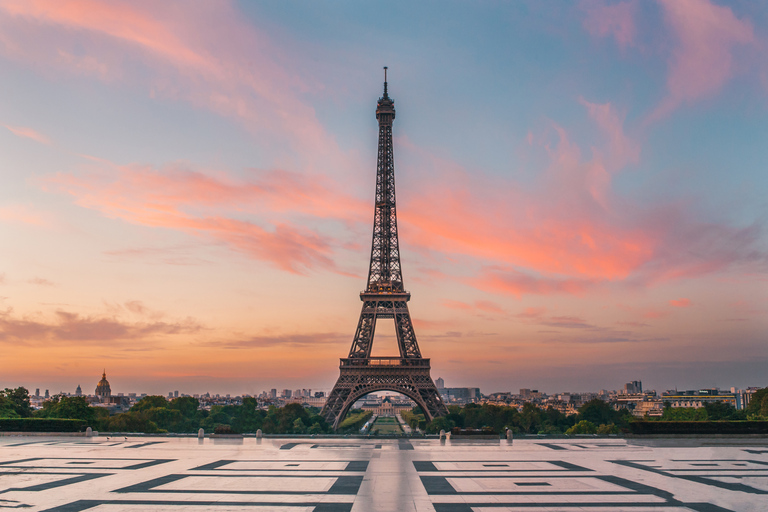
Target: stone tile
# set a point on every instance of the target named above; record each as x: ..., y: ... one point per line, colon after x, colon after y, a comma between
x: 343, y: 475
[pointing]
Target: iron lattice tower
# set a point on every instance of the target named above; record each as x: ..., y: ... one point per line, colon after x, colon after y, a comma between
x: 384, y: 297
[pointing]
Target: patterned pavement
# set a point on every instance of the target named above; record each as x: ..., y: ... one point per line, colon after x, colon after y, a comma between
x: 350, y: 475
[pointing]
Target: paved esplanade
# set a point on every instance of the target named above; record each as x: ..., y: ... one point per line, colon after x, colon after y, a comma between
x: 328, y: 475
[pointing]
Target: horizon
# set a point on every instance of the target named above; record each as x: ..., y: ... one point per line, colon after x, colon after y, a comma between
x: 187, y: 192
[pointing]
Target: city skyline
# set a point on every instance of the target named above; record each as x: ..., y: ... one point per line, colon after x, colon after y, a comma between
x: 581, y: 191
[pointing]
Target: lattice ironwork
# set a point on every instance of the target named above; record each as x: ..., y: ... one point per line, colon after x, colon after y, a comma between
x: 384, y: 297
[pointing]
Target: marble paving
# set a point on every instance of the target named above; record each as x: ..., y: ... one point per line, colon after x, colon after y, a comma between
x: 111, y: 474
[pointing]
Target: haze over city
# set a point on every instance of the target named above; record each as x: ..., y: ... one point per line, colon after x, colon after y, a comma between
x: 186, y: 191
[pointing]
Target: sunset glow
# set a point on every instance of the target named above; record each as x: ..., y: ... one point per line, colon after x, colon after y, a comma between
x: 187, y: 191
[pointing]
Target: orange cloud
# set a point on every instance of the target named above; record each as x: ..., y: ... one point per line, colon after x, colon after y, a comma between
x: 28, y: 133
x: 680, y: 303
x: 702, y: 61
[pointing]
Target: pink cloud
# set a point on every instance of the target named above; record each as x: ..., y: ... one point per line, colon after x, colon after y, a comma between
x: 702, y: 61
x: 616, y: 20
x: 511, y: 282
x: 680, y: 303
x: 479, y: 305
x: 28, y: 133
x: 204, y: 54
x: 568, y: 232
x: 653, y: 313
x: 212, y: 205
x: 532, y: 312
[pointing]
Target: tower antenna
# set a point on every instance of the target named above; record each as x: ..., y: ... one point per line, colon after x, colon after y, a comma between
x: 385, y: 81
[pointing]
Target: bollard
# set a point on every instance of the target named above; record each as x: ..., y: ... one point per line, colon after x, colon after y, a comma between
x: 442, y: 437
x: 89, y: 432
x: 201, y: 433
x: 509, y: 435
x: 259, y: 434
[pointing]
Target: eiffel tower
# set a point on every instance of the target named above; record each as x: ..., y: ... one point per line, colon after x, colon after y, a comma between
x: 384, y: 297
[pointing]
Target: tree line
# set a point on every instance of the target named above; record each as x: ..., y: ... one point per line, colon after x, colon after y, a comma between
x: 156, y: 414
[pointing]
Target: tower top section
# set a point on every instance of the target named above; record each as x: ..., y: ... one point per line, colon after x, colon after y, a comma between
x: 385, y: 108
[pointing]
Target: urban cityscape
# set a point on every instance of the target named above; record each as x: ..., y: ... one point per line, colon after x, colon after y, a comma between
x: 200, y: 199
x: 630, y: 396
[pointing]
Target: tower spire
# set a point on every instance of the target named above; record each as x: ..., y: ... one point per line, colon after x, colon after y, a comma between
x: 385, y: 82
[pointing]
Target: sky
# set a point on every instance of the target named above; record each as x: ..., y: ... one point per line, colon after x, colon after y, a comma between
x: 186, y: 191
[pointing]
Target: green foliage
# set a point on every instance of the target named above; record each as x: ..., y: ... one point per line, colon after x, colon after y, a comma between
x: 684, y: 414
x: 354, y: 421
x: 438, y: 424
x: 719, y: 411
x: 599, y: 412
x: 14, y: 403
x: 414, y: 418
x: 605, y: 430
x: 582, y: 427
x: 530, y: 420
x: 758, y: 404
x: 150, y: 402
x: 41, y: 425
x: 67, y: 407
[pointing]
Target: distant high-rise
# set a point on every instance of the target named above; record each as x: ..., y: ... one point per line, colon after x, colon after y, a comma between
x: 175, y: 394
x: 440, y: 383
x: 273, y: 393
x: 46, y: 394
x: 634, y: 387
x: 286, y: 393
x: 78, y: 391
x: 37, y: 392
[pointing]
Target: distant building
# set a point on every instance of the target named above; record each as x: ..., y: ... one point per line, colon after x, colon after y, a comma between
x: 78, y: 391
x: 103, y: 391
x: 37, y: 392
x: 273, y: 393
x: 286, y: 393
x: 176, y: 394
x: 699, y: 398
x: 440, y: 383
x: 633, y: 388
x: 47, y: 395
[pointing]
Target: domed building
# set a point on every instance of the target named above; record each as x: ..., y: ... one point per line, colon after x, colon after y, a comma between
x: 103, y: 391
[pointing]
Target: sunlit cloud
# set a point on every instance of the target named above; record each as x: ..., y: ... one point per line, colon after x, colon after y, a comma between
x: 680, y: 303
x: 702, y: 61
x: 212, y: 205
x: 204, y: 54
x: 28, y: 133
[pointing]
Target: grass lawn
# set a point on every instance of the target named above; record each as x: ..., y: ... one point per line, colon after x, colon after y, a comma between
x: 387, y: 426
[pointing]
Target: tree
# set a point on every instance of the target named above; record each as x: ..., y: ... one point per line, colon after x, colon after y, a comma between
x: 758, y: 404
x: 68, y: 407
x: 186, y: 405
x: 598, y: 412
x: 582, y: 427
x: 16, y: 400
x: 150, y: 402
x: 717, y: 411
